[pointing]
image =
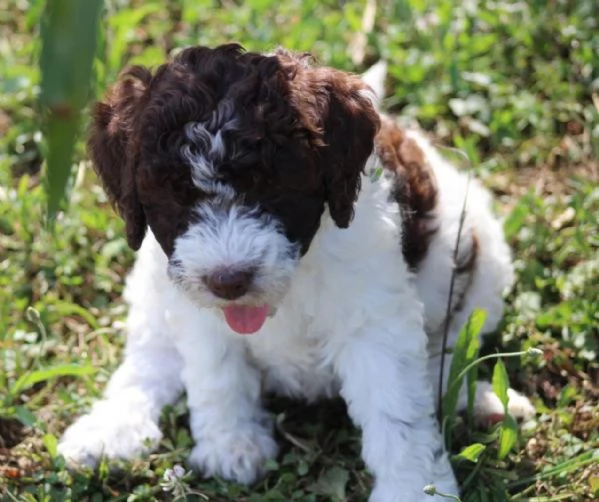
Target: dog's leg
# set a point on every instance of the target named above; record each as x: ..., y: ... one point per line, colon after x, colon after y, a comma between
x: 233, y: 434
x: 124, y: 424
x: 385, y: 382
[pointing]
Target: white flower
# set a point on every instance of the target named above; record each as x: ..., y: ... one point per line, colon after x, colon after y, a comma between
x: 172, y: 477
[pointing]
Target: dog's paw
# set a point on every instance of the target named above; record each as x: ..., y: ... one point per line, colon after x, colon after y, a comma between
x: 488, y: 409
x: 417, y: 482
x: 108, y: 431
x: 239, y: 455
x: 407, y: 492
x: 519, y: 406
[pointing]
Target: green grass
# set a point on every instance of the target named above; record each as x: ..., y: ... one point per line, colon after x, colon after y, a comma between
x: 515, y: 85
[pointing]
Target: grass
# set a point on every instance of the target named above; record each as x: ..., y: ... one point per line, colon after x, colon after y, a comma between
x: 514, y: 85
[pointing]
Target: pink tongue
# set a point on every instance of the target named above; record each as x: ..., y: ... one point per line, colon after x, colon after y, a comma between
x: 245, y: 320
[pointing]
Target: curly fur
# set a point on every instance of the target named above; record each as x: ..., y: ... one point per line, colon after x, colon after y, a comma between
x: 286, y: 120
x: 252, y: 173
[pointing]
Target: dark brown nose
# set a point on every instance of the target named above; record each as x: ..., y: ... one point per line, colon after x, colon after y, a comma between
x: 229, y: 284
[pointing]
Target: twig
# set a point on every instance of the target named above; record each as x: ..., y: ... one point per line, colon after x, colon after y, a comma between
x: 289, y: 437
x: 450, y: 296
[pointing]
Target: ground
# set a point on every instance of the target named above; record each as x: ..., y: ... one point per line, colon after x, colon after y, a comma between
x: 513, y: 85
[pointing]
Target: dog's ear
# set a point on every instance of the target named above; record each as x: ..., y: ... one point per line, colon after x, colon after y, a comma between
x: 349, y: 127
x: 113, y: 147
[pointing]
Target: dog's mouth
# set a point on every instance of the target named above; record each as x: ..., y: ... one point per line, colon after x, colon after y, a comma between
x: 246, y: 319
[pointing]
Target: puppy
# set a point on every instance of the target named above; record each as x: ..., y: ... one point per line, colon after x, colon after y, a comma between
x: 291, y: 240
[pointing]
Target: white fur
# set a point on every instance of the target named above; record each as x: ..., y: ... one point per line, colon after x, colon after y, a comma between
x: 232, y: 235
x: 208, y: 137
x: 375, y: 78
x: 350, y: 319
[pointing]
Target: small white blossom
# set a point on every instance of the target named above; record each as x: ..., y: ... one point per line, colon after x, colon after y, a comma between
x: 430, y: 489
x: 172, y: 478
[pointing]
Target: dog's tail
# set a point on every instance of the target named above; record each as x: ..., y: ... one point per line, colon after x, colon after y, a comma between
x: 375, y: 78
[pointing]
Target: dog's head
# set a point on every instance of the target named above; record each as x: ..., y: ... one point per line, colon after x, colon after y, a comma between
x: 231, y: 158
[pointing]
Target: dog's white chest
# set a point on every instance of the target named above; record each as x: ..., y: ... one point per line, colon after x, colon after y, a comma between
x: 292, y: 364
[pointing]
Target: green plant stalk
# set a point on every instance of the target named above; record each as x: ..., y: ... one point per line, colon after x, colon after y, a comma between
x: 486, y: 358
x: 431, y: 490
x: 464, y: 351
x: 33, y: 316
x: 30, y: 378
x: 449, y: 496
x: 69, y: 33
x: 477, y: 467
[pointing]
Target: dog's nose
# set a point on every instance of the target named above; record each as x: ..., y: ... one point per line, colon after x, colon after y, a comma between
x: 229, y: 284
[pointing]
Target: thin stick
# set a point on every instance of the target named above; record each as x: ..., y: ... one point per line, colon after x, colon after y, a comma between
x: 448, y: 310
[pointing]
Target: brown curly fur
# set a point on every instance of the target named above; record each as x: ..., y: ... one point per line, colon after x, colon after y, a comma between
x: 415, y: 188
x: 302, y: 137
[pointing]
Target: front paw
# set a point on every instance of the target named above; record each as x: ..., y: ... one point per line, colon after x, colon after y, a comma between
x: 488, y: 409
x: 419, y: 485
x: 238, y: 455
x: 109, y: 430
x: 409, y: 492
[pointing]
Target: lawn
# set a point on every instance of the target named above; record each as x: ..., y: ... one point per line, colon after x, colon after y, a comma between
x: 513, y: 85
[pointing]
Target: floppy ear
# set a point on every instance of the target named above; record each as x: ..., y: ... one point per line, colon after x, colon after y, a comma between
x: 113, y: 148
x: 349, y: 128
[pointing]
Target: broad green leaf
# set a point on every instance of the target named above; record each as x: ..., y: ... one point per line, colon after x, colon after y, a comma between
x: 472, y: 375
x: 500, y: 382
x: 68, y: 32
x: 454, y: 74
x: 50, y: 442
x: 483, y: 493
x: 25, y: 416
x: 302, y: 468
x: 332, y: 483
x: 66, y: 309
x: 29, y: 379
x: 271, y: 465
x: 183, y: 439
x: 516, y: 220
x: 471, y: 452
x: 464, y: 353
x: 123, y: 24
x: 508, y: 435
x: 594, y: 484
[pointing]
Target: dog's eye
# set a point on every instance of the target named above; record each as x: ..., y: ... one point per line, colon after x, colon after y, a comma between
x: 245, y: 158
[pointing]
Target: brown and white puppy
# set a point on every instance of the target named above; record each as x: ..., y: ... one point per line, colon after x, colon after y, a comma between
x: 256, y: 181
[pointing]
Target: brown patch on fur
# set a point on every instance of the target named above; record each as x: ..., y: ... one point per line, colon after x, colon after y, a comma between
x: 300, y: 140
x: 464, y: 270
x: 415, y: 189
x: 465, y: 264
